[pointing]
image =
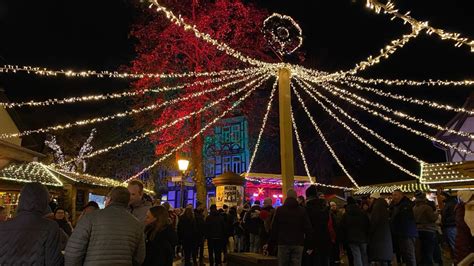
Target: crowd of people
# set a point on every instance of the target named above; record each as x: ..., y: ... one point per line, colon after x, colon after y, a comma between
x: 132, y: 230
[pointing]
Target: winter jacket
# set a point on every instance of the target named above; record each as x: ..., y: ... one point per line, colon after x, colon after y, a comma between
x: 291, y: 225
x: 380, y: 237
x: 139, y: 210
x: 252, y: 222
x: 266, y: 215
x: 215, y: 226
x: 464, y: 244
x: 355, y: 225
x: 160, y: 249
x: 448, y: 217
x: 403, y: 220
x: 63, y: 224
x: 425, y: 216
x: 187, y: 231
x: 318, y: 214
x: 200, y: 223
x: 111, y: 236
x: 30, y: 239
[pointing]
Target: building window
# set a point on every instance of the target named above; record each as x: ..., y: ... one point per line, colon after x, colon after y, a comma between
x: 236, y: 165
x: 227, y: 164
x: 226, y: 134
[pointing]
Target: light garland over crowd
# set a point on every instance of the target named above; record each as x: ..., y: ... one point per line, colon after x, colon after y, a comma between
x: 201, y: 131
x: 99, y: 97
x: 422, y: 102
x: 165, y: 126
x: 332, y: 89
x: 389, y: 8
x: 303, y: 158
x: 326, y: 143
x: 359, y: 138
x: 262, y: 128
x: 304, y: 84
x: 403, y: 115
x: 43, y: 71
x: 125, y: 114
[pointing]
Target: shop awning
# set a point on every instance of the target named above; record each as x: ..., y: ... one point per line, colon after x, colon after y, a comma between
x: 455, y: 173
x: 30, y: 172
x: 410, y: 186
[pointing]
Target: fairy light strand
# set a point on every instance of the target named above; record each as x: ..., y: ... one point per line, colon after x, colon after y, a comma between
x: 165, y: 126
x: 357, y: 136
x: 43, y: 71
x: 203, y: 129
x: 320, y: 133
x: 262, y: 127
x: 407, y: 82
x: 405, y: 116
x: 384, y: 52
x: 99, y: 97
x: 302, y: 83
x: 122, y: 115
x: 389, y: 8
x: 303, y: 157
x: 331, y: 88
x: 412, y: 100
x: 179, y: 21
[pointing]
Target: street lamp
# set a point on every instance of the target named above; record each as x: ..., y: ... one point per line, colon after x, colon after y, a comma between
x: 183, y: 166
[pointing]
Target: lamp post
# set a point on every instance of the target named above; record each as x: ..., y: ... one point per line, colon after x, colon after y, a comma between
x: 183, y: 166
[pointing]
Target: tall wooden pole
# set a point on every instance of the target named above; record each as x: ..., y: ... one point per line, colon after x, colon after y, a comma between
x: 286, y: 130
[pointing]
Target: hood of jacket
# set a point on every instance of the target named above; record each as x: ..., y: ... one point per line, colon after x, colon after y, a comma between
x: 291, y: 203
x: 34, y: 198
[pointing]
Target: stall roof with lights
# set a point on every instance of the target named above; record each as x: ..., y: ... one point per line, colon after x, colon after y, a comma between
x: 30, y: 172
x: 448, y: 173
x: 408, y: 186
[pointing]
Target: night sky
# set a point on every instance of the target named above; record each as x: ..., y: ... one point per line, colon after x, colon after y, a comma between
x: 91, y: 34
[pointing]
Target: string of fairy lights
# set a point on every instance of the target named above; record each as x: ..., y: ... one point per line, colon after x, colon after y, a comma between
x: 403, y: 115
x: 100, y: 97
x: 167, y: 125
x: 125, y: 114
x: 201, y: 131
x: 332, y: 89
x: 303, y: 158
x: 262, y: 128
x: 254, y: 77
x: 304, y: 84
x: 412, y: 100
x: 391, y: 9
x: 357, y: 136
x: 326, y: 143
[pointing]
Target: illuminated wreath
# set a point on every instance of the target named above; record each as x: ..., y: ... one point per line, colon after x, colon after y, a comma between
x: 282, y: 33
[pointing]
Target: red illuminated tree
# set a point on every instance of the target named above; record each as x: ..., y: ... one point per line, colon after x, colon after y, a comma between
x: 165, y: 47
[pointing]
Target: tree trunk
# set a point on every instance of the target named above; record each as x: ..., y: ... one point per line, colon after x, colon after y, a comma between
x: 198, y: 163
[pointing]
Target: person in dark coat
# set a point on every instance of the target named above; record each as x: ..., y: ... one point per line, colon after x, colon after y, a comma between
x: 380, y: 238
x: 60, y: 218
x: 448, y: 219
x: 200, y: 222
x: 355, y: 230
x: 215, y: 234
x: 290, y: 228
x: 403, y: 227
x: 254, y: 226
x: 266, y: 214
x: 29, y: 238
x: 188, y: 236
x: 318, y: 214
x: 161, y: 239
